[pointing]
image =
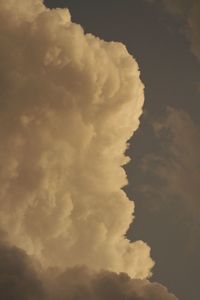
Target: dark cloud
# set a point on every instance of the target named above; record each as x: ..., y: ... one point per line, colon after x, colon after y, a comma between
x: 189, y: 12
x: 18, y: 278
x: 82, y: 284
x: 176, y: 163
x: 21, y: 278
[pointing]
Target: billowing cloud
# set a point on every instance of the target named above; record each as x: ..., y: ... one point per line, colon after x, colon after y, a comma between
x: 69, y: 103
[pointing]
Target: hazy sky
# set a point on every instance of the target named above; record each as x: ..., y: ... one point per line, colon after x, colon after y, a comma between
x: 71, y: 98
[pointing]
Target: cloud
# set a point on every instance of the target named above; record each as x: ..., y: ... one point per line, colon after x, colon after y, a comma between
x: 18, y: 278
x: 175, y: 168
x: 189, y: 11
x: 69, y: 103
x: 81, y: 283
x: 22, y: 279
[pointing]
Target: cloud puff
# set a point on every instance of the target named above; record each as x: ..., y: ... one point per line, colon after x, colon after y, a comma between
x: 69, y: 103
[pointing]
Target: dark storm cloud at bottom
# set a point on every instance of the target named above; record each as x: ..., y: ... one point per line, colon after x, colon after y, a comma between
x: 69, y: 104
x: 19, y: 279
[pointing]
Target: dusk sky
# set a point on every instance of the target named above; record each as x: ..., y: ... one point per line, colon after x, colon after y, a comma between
x: 99, y: 153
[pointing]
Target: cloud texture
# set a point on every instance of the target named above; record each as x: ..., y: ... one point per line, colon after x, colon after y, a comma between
x: 176, y: 167
x: 105, y: 286
x: 21, y: 279
x: 18, y: 277
x: 69, y: 103
x: 189, y: 11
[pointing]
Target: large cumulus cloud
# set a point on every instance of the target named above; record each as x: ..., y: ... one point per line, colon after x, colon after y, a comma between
x: 69, y: 103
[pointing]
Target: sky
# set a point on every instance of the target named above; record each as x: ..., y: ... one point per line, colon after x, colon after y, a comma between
x: 72, y: 96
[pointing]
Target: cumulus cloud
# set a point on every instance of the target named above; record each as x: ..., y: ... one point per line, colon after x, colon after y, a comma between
x: 189, y: 11
x: 69, y: 103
